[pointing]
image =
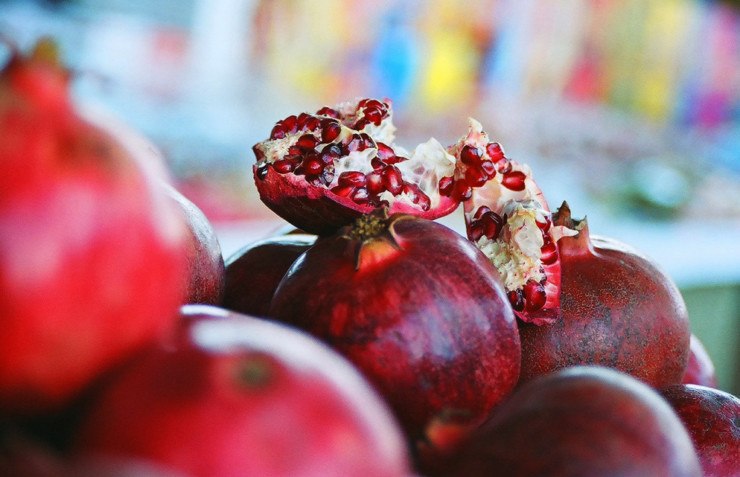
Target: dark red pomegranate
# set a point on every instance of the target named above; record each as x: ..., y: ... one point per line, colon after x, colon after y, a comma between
x: 620, y: 310
x: 507, y: 217
x: 416, y: 307
x: 585, y: 421
x: 700, y: 369
x: 236, y: 395
x: 321, y: 171
x: 712, y: 418
x: 206, y: 273
x: 254, y: 272
x: 91, y: 250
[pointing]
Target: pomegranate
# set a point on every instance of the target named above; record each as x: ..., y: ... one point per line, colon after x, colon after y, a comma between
x: 416, y: 307
x: 712, y: 418
x: 585, y: 421
x: 619, y: 308
x: 700, y: 369
x: 205, y: 277
x: 236, y: 395
x: 254, y: 272
x: 91, y: 251
x: 508, y: 218
x: 321, y: 171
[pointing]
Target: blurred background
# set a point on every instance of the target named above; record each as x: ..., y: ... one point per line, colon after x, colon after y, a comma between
x: 627, y: 109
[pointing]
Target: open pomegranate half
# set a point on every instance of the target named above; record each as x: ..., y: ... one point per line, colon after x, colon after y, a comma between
x: 321, y: 171
x: 507, y: 217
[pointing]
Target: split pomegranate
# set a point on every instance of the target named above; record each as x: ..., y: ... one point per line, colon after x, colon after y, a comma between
x: 321, y: 171
x: 585, y: 421
x: 507, y: 217
x: 619, y: 308
x: 254, y: 272
x: 712, y: 418
x: 700, y: 369
x: 416, y: 307
x: 205, y: 278
x: 236, y: 395
x: 91, y: 250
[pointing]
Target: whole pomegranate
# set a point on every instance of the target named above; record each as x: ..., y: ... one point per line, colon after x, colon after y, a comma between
x: 254, y: 271
x: 236, y: 395
x: 700, y: 369
x: 712, y: 418
x: 206, y: 270
x: 619, y: 308
x: 416, y: 307
x: 91, y: 249
x: 585, y: 421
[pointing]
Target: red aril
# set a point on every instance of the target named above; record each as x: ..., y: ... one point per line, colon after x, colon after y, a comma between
x: 619, y: 308
x: 417, y: 308
x: 236, y: 395
x: 91, y: 250
x: 321, y: 171
x: 712, y: 418
x: 507, y: 217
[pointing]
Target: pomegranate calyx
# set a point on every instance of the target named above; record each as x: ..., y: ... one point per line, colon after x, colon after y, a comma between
x: 576, y: 230
x: 255, y: 372
x: 373, y: 237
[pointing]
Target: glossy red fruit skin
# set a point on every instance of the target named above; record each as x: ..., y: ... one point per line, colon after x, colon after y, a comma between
x: 254, y: 271
x: 319, y: 211
x: 91, y: 252
x: 425, y: 318
x: 712, y: 418
x: 206, y: 271
x: 620, y: 310
x: 700, y: 369
x: 236, y: 395
x: 584, y: 421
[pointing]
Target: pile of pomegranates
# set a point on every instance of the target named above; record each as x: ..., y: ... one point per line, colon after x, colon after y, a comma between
x: 371, y: 341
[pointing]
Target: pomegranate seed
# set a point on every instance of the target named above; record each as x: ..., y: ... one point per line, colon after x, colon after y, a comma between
x: 290, y: 123
x: 514, y: 181
x: 367, y: 141
x: 327, y: 111
x: 463, y: 191
x: 481, y: 211
x: 470, y: 155
x: 492, y: 223
x: 287, y: 164
x: 301, y: 121
x: 295, y: 151
x: 545, y: 226
x: 306, y: 142
x: 353, y: 178
x: 278, y: 131
x: 360, y: 124
x: 330, y: 152
x: 262, y: 171
x: 488, y: 167
x: 446, y: 186
x: 516, y: 298
x: 312, y: 123
x: 312, y: 164
x: 376, y: 163
x: 373, y: 103
x: 356, y: 143
x: 494, y: 151
x: 395, y: 159
x: 534, y: 296
x: 423, y: 201
x: 330, y: 130
x: 258, y: 153
x: 374, y: 116
x: 360, y: 195
x: 314, y: 180
x: 475, y: 230
x: 343, y: 190
x: 374, y: 181
x: 549, y: 253
x: 392, y: 179
x: 327, y: 174
x: 385, y: 151
x: 503, y: 166
x: 475, y: 177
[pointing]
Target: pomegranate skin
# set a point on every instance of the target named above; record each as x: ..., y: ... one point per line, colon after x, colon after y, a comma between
x: 585, y: 421
x: 712, y: 418
x: 206, y: 270
x: 235, y: 395
x: 254, y: 272
x: 91, y: 252
x: 418, y: 309
x: 700, y: 369
x: 620, y: 310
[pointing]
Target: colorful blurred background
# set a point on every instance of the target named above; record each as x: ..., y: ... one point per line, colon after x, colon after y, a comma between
x: 627, y: 109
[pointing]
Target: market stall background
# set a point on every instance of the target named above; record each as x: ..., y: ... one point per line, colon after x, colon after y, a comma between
x: 627, y: 109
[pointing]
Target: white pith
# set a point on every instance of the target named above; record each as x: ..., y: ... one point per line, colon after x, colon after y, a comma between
x: 425, y: 165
